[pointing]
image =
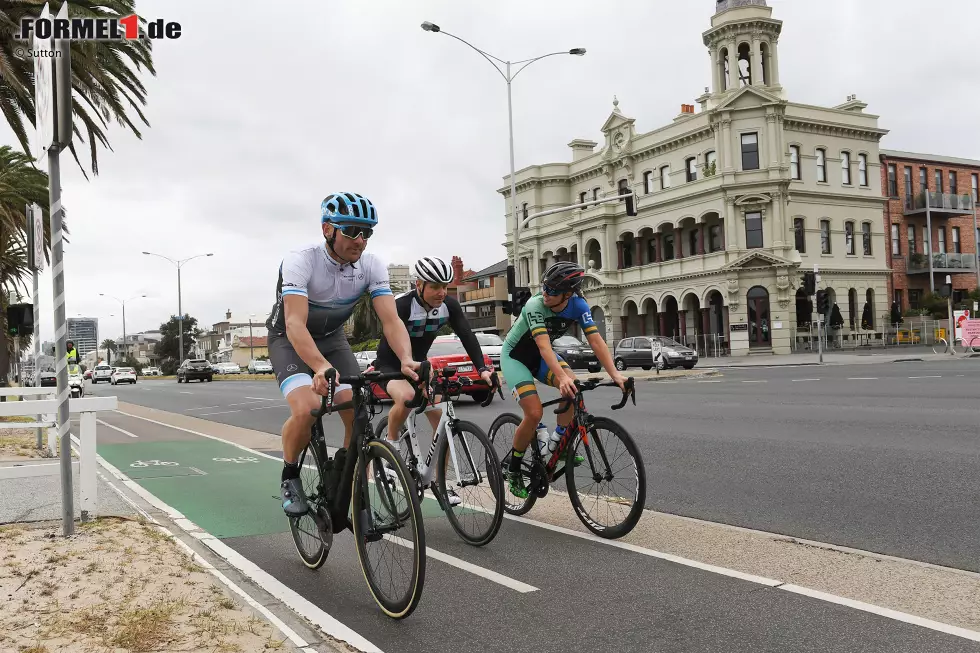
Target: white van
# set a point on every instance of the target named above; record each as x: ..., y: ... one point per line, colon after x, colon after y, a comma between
x: 102, y: 372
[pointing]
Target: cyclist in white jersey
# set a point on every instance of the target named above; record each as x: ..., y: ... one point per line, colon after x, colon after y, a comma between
x: 317, y: 290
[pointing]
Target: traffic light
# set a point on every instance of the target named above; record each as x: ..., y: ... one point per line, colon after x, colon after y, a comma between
x: 946, y: 290
x: 20, y: 320
x: 823, y: 302
x: 809, y: 283
x: 521, y: 295
x: 631, y: 204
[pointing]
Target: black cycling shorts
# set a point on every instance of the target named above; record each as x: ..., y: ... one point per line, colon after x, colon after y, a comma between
x: 292, y: 372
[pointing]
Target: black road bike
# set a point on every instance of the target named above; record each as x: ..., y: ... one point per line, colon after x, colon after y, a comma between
x: 369, y: 490
x: 607, y: 489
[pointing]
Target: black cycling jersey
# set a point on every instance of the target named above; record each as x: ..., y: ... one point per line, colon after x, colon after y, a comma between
x: 423, y: 325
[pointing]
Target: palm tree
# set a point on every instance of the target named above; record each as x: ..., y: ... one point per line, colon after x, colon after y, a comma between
x: 110, y: 348
x: 364, y: 321
x: 20, y: 184
x: 105, y: 74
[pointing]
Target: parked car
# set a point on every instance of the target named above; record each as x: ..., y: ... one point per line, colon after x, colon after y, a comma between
x: 228, y: 368
x: 446, y: 351
x: 577, y: 354
x: 491, y: 344
x: 259, y: 367
x: 49, y: 379
x: 638, y: 352
x: 365, y: 358
x: 103, y: 373
x: 194, y: 368
x: 152, y: 371
x: 123, y: 375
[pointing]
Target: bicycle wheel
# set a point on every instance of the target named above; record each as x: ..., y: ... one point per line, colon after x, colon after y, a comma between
x: 502, y: 438
x: 403, y: 449
x: 611, y: 460
x: 473, y: 474
x: 306, y: 533
x: 383, y: 539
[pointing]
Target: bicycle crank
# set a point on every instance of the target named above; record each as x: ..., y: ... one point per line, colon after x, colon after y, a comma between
x: 321, y: 516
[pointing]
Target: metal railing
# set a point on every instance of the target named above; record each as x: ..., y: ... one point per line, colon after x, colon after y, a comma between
x: 912, y: 332
x: 920, y: 262
x: 940, y: 201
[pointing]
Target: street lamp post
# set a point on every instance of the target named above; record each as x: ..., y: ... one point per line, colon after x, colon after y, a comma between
x: 251, y: 350
x: 123, y: 302
x: 508, y: 78
x: 180, y: 308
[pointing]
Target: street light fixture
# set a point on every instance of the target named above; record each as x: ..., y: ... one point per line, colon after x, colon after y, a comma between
x: 123, y: 302
x: 508, y: 77
x: 251, y: 350
x: 180, y: 310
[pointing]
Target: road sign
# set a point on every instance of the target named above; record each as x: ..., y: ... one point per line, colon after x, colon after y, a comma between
x: 63, y: 101
x: 43, y: 91
x: 35, y: 221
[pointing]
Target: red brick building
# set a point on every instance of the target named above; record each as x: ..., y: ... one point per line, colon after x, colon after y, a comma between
x: 949, y: 204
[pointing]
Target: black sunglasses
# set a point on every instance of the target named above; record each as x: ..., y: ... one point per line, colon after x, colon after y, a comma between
x: 353, y: 231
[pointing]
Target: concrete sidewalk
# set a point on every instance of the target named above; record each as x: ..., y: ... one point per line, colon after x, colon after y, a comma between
x: 833, y: 357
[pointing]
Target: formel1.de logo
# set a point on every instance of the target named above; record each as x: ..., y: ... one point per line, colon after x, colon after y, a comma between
x: 96, y: 29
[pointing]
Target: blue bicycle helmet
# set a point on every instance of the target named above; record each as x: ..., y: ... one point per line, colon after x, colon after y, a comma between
x: 348, y: 209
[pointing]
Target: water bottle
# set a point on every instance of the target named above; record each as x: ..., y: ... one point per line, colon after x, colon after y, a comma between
x: 555, y: 439
x: 543, y: 439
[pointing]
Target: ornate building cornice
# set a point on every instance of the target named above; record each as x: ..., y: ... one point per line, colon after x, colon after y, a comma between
x: 833, y: 129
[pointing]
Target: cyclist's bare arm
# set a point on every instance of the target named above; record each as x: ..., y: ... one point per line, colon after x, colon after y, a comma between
x: 395, y: 333
x: 297, y: 309
x: 601, y: 350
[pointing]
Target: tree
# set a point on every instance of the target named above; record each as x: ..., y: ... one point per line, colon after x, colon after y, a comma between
x: 110, y: 349
x: 867, y: 318
x: 896, y: 316
x: 104, y: 74
x: 20, y: 184
x: 365, y: 322
x: 168, y: 347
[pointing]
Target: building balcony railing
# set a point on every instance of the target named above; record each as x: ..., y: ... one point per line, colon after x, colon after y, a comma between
x: 919, y: 263
x: 482, y: 322
x: 498, y: 292
x: 938, y: 203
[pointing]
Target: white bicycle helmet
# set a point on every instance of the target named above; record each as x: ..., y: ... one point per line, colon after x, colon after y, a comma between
x: 433, y: 270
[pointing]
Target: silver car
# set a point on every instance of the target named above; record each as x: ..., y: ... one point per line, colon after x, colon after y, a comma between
x: 638, y: 352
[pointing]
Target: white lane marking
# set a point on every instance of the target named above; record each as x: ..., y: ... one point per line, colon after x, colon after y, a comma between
x: 220, y: 412
x: 123, y: 431
x: 245, y: 403
x: 800, y: 380
x: 203, y: 408
x: 761, y: 580
x: 762, y: 381
x: 862, y: 378
x: 186, y: 392
x: 273, y: 406
x: 925, y: 377
x: 262, y: 398
x: 709, y: 381
x: 298, y: 603
x: 884, y: 612
x: 483, y: 572
x: 203, y: 435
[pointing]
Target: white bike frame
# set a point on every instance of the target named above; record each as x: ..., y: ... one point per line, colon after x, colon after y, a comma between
x: 426, y: 470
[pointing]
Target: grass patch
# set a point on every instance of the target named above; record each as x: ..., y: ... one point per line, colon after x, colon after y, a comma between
x: 146, y: 629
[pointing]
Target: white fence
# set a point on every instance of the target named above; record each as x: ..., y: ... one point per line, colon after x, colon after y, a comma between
x: 35, y: 402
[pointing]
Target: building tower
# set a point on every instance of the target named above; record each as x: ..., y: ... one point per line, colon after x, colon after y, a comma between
x: 744, y: 46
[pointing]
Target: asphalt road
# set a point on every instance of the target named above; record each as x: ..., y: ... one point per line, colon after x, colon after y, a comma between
x: 877, y: 457
x: 585, y: 595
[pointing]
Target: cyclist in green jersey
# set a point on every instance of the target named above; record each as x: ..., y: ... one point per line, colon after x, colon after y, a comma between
x: 527, y: 355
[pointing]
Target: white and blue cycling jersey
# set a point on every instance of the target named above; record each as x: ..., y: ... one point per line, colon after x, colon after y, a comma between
x: 331, y: 288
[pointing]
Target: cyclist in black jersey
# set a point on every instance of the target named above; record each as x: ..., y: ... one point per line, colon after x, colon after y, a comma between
x: 425, y: 310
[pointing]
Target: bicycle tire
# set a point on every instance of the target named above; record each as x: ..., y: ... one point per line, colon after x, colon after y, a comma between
x: 494, y: 479
x: 611, y: 532
x: 396, y: 607
x: 381, y: 433
x: 502, y: 449
x: 312, y: 556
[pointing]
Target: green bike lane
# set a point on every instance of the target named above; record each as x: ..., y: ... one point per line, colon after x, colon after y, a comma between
x: 584, y: 595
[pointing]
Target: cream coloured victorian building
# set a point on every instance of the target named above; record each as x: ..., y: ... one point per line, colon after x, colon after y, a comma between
x: 734, y: 202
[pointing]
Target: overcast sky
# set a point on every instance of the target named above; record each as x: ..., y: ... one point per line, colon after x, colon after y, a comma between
x: 251, y: 127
